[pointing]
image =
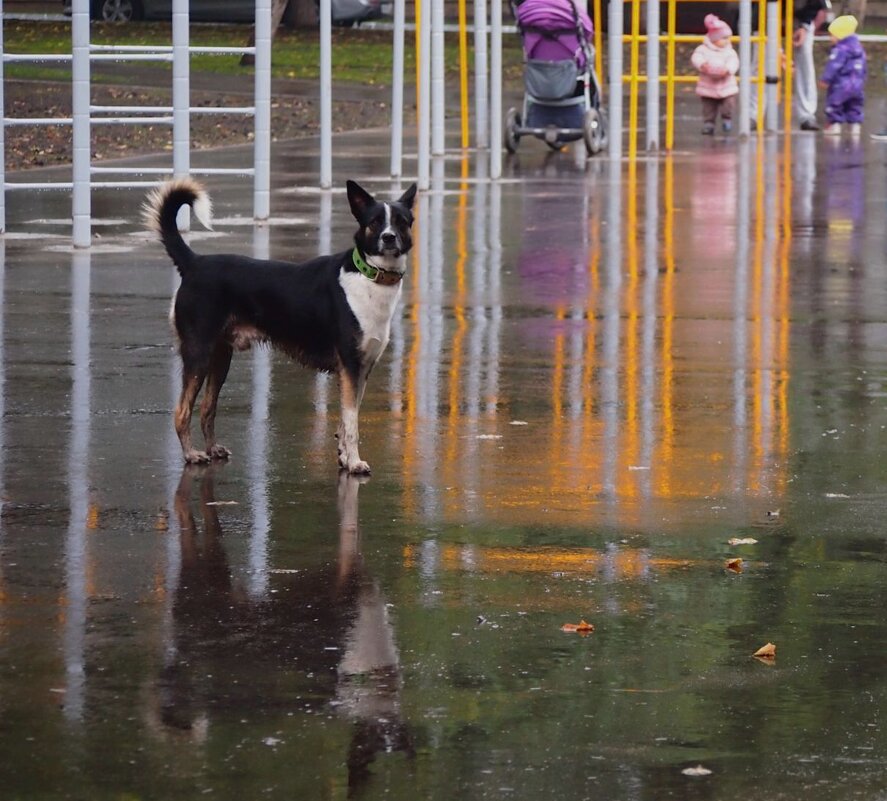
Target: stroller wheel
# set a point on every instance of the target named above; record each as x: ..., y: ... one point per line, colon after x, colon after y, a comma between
x: 510, y: 134
x: 595, y: 133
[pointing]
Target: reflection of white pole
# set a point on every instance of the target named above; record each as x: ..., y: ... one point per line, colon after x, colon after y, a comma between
x: 181, y: 100
x: 326, y: 94
x: 740, y: 318
x: 765, y: 313
x: 174, y: 470
x: 481, y: 84
x: 651, y: 320
x: 611, y: 311
x: 495, y: 284
x: 495, y: 89
x: 78, y: 490
x: 397, y: 89
x: 81, y: 201
x: 652, y: 75
x: 745, y: 68
x: 614, y: 50
x: 477, y: 335
x: 438, y: 124
x: 322, y: 380
x: 424, y: 97
x: 262, y: 143
x: 257, y: 459
x: 771, y: 54
x: 258, y: 471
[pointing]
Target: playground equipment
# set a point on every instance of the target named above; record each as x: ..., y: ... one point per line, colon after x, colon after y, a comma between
x: 764, y: 71
x: 767, y: 76
x: 178, y: 115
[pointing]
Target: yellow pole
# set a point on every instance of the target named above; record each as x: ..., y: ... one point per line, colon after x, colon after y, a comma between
x: 635, y: 69
x: 463, y: 71
x: 789, y: 65
x: 669, y: 97
x: 762, y: 65
x: 598, y: 44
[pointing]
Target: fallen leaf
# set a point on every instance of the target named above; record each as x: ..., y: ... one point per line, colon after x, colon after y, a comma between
x: 734, y: 564
x: 767, y: 651
x: 582, y: 627
x: 697, y: 771
x: 742, y: 541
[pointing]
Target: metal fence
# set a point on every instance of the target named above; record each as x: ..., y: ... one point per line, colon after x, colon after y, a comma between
x: 85, y: 114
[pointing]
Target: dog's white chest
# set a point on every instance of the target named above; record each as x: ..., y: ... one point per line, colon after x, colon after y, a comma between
x: 373, y: 305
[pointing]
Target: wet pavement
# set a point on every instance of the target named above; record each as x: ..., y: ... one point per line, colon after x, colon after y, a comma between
x: 599, y: 377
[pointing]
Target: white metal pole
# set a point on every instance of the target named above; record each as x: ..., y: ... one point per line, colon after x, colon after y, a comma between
x: 481, y: 85
x: 181, y: 102
x: 495, y: 89
x: 2, y: 134
x: 745, y: 69
x: 771, y: 56
x: 438, y: 87
x: 262, y: 140
x: 80, y: 198
x: 652, y: 75
x: 614, y: 46
x: 424, y: 97
x: 326, y: 94
x: 397, y: 89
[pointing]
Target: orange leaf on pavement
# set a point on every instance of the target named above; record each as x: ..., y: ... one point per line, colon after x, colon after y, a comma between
x: 734, y: 564
x: 582, y: 627
x: 767, y: 651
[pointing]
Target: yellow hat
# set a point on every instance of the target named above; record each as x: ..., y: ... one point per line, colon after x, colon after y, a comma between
x: 844, y: 26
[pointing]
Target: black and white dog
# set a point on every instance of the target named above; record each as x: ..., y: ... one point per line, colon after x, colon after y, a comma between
x: 332, y: 313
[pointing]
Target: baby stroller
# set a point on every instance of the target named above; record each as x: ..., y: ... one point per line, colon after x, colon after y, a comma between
x: 562, y: 98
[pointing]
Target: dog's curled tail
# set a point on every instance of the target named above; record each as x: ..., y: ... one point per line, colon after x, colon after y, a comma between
x: 161, y: 208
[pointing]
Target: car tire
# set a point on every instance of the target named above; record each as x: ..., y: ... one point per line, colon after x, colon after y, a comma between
x: 117, y: 10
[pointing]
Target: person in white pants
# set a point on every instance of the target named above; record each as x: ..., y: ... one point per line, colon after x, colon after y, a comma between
x: 807, y: 18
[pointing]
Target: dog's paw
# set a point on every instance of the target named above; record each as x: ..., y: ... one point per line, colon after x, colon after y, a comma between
x: 219, y: 452
x: 197, y: 457
x: 359, y: 468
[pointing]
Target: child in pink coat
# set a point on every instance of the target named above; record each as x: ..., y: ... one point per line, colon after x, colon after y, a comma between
x: 718, y: 64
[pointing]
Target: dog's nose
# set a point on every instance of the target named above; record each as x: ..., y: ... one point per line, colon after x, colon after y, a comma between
x: 388, y: 238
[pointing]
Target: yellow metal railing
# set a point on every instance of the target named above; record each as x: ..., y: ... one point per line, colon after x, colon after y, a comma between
x: 670, y: 39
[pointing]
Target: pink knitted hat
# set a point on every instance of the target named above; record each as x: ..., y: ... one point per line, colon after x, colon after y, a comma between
x: 716, y: 28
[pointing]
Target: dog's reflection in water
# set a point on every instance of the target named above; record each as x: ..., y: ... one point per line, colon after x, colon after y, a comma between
x: 229, y: 654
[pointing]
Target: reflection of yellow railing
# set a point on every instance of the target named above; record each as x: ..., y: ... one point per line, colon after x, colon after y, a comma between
x: 662, y: 447
x: 625, y: 563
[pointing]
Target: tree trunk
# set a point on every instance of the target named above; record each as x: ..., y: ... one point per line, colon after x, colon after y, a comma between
x: 278, y: 7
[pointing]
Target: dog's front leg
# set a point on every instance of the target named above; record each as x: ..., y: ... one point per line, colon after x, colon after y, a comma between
x: 351, y: 391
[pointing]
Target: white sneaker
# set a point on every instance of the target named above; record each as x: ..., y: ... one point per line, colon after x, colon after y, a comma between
x: 832, y: 129
x: 855, y: 129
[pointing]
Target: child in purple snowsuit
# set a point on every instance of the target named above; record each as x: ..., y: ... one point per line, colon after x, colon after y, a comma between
x: 844, y: 77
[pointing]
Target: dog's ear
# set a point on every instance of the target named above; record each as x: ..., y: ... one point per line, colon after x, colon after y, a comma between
x: 359, y: 199
x: 408, y: 197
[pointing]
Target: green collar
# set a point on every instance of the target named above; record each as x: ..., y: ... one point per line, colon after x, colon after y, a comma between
x: 375, y: 274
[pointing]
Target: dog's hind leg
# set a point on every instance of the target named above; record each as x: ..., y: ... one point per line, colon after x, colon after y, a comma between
x: 215, y: 378
x: 351, y: 386
x: 192, y: 380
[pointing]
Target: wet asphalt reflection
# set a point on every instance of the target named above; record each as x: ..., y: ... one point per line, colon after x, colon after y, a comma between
x: 599, y: 376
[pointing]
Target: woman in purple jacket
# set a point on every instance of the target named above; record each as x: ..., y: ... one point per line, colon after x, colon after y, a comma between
x: 844, y: 78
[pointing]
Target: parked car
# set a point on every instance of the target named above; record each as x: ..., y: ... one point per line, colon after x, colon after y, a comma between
x: 345, y: 12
